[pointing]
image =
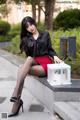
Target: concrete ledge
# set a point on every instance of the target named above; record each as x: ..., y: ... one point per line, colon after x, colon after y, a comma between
x: 47, y: 94
x: 74, y: 87
x: 68, y: 110
x: 41, y: 92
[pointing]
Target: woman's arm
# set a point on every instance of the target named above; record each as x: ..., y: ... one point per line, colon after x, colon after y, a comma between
x: 57, y: 59
x: 52, y: 52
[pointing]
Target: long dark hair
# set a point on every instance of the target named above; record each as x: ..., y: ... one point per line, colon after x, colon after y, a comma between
x: 24, y: 33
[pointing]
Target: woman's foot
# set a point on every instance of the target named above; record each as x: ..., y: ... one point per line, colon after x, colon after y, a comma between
x: 16, y: 107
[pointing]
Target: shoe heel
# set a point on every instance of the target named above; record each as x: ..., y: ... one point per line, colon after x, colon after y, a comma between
x: 17, y: 112
x: 21, y: 102
x: 22, y: 108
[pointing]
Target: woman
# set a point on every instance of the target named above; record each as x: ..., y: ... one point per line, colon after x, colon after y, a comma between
x: 37, y: 46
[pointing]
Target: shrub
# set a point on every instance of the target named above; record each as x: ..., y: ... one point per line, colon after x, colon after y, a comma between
x: 41, y: 26
x: 15, y: 44
x: 5, y: 38
x: 4, y: 27
x: 67, y: 19
x: 16, y: 27
x: 15, y: 30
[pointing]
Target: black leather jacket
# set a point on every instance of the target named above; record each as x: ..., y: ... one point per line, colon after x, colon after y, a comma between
x: 41, y: 46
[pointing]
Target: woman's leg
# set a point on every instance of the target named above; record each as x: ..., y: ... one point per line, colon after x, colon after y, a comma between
x: 25, y: 69
x: 22, y: 72
x: 37, y: 70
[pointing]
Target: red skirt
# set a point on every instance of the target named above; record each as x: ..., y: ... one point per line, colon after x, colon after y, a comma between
x: 43, y: 61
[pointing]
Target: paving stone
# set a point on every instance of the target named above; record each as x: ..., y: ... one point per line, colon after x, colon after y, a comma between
x: 2, y: 99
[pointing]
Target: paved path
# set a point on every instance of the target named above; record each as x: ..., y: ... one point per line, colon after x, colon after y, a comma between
x: 33, y: 109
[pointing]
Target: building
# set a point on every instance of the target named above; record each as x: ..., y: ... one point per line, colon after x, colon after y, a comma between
x: 23, y: 9
x: 62, y: 5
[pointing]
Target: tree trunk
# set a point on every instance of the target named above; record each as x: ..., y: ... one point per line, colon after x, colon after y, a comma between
x: 39, y: 13
x: 49, y: 8
x: 34, y: 11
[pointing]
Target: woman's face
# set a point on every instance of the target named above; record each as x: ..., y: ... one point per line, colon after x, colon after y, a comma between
x: 31, y: 28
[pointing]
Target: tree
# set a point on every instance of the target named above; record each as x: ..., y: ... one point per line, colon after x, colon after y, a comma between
x: 49, y: 9
x: 3, y: 1
x: 33, y: 3
x: 33, y: 8
x: 4, y: 8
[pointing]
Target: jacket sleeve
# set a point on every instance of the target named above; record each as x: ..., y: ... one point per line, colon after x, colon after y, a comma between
x: 51, y: 51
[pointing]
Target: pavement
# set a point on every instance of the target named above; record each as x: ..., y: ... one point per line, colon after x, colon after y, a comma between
x: 33, y: 109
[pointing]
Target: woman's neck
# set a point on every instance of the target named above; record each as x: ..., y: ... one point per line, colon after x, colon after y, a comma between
x: 36, y: 35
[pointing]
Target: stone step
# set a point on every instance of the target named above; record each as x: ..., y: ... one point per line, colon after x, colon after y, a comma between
x: 68, y: 110
x: 47, y: 94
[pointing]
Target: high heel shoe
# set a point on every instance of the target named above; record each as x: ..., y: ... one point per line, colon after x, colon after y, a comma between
x: 14, y: 99
x: 20, y: 105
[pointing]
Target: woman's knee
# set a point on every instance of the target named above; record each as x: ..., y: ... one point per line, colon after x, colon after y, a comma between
x: 29, y: 60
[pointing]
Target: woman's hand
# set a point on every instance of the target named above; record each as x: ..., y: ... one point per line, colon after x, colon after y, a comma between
x: 57, y: 60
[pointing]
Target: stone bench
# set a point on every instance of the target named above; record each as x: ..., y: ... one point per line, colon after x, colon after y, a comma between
x: 68, y: 110
x: 48, y: 95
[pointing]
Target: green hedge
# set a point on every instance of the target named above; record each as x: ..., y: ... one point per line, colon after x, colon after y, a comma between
x: 67, y: 19
x: 4, y: 27
x: 15, y: 44
x: 15, y: 30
